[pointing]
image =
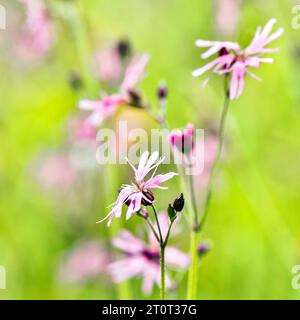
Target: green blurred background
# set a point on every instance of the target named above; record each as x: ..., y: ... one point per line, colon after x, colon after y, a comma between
x: 254, y: 218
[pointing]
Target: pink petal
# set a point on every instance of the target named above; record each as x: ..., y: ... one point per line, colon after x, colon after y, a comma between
x: 128, y: 243
x: 157, y: 180
x: 150, y: 275
x: 126, y: 268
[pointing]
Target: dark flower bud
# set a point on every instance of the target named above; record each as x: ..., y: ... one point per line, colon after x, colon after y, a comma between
x: 134, y: 98
x: 150, y: 196
x: 203, y: 248
x: 171, y: 212
x: 123, y: 48
x: 178, y: 203
x: 162, y: 91
x: 75, y: 80
x: 223, y: 51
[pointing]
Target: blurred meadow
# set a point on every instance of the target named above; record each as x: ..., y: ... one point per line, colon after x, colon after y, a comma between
x: 254, y: 221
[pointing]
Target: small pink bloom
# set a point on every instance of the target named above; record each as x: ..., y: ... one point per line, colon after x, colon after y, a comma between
x: 210, y: 152
x: 105, y: 107
x: 82, y: 130
x: 136, y: 193
x: 227, y: 15
x: 101, y: 109
x: 183, y: 140
x: 108, y: 65
x: 85, y: 261
x: 142, y: 259
x: 235, y: 61
x: 36, y: 37
x: 57, y: 172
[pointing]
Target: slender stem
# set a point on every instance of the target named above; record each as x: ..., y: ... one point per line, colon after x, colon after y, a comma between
x: 162, y: 273
x: 193, y: 272
x: 194, y: 202
x: 150, y: 225
x: 158, y: 225
x: 221, y: 135
x: 168, y: 233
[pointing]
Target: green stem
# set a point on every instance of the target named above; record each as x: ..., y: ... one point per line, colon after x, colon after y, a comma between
x: 193, y: 272
x: 158, y: 225
x: 162, y: 273
x: 194, y: 202
x: 213, y: 173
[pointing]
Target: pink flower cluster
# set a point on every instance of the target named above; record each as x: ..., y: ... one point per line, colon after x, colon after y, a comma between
x: 106, y: 106
x: 142, y: 259
x: 236, y: 62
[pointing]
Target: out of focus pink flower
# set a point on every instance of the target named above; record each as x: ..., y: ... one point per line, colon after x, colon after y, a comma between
x: 57, y: 172
x: 183, y: 140
x: 108, y: 65
x: 138, y: 193
x: 82, y: 130
x: 36, y: 37
x: 106, y: 106
x: 85, y: 261
x: 236, y: 62
x: 210, y: 153
x: 142, y: 259
x: 227, y: 15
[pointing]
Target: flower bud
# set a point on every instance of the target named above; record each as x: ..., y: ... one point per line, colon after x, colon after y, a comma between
x: 171, y: 212
x: 183, y: 140
x: 178, y: 203
x: 223, y: 51
x: 123, y: 48
x: 150, y: 198
x: 203, y: 248
x: 134, y: 98
x: 162, y: 92
x: 75, y: 80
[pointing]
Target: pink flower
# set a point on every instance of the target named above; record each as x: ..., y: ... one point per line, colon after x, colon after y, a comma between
x: 227, y: 15
x: 107, y: 105
x: 57, y: 172
x: 86, y: 260
x: 235, y: 61
x: 138, y: 193
x: 82, y: 130
x: 108, y: 65
x: 183, y: 140
x: 142, y: 259
x: 210, y: 152
x: 36, y: 37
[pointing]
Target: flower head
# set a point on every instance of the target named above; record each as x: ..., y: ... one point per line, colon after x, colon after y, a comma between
x: 106, y: 106
x: 235, y: 61
x: 86, y: 260
x: 137, y: 193
x: 183, y: 140
x: 57, y: 171
x: 142, y: 259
